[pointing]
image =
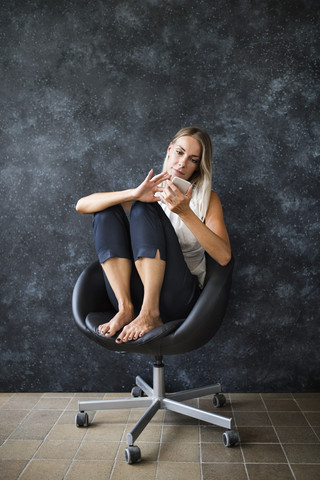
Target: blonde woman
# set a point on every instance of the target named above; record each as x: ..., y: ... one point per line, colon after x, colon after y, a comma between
x: 154, y: 264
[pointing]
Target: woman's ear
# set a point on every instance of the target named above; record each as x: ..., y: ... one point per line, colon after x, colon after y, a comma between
x: 169, y: 148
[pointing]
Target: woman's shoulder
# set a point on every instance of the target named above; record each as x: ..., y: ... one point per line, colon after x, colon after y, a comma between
x: 214, y: 197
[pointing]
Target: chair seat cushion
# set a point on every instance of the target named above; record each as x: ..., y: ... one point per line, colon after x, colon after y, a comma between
x: 94, y: 319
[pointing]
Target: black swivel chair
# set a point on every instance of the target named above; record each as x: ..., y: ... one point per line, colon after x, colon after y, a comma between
x: 91, y: 307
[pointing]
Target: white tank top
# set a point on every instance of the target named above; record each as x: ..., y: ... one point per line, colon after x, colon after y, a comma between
x: 193, y: 252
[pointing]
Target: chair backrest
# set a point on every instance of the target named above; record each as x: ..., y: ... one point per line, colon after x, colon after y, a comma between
x: 183, y: 335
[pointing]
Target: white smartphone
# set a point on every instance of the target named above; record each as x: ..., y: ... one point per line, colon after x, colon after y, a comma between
x: 183, y: 185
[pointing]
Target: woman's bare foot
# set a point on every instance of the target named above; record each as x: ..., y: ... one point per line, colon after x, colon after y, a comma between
x: 140, y: 326
x: 122, y: 318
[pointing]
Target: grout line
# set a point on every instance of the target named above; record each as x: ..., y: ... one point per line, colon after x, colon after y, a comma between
x: 236, y: 426
x: 125, y: 426
x: 160, y: 442
x: 75, y: 453
x: 200, y: 444
x: 46, y: 436
x: 281, y: 445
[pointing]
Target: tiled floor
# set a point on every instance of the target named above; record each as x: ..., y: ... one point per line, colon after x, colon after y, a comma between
x: 279, y: 440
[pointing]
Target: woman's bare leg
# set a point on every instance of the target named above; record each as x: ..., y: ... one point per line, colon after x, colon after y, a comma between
x: 151, y: 271
x: 118, y: 272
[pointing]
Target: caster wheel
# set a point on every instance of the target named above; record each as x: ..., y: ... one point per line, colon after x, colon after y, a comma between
x: 82, y: 419
x: 132, y: 454
x: 219, y: 400
x: 136, y: 392
x: 230, y: 438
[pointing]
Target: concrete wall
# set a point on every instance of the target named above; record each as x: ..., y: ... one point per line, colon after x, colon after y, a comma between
x: 91, y: 94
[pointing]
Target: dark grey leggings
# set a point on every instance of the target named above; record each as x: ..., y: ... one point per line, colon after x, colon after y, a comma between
x: 148, y: 231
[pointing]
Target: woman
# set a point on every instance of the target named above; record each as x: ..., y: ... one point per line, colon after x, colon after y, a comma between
x: 155, y: 265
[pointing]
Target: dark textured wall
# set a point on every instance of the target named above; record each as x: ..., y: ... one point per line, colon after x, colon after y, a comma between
x: 91, y: 94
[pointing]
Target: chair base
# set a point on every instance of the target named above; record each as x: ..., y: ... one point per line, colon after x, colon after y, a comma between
x: 157, y: 399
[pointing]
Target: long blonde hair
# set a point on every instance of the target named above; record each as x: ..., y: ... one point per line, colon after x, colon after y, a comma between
x: 202, y: 178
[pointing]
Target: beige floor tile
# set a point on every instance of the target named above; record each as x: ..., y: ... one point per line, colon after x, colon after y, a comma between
x: 306, y: 395
x: 46, y: 417
x: 117, y: 395
x: 107, y: 433
x: 251, y: 419
x: 223, y: 471
x: 97, y: 451
x: 180, y: 433
x: 313, y: 418
x: 12, y: 417
x: 19, y: 449
x: 67, y: 432
x: 62, y: 449
x: 263, y: 453
x: 288, y: 419
x: 31, y: 431
x: 281, y: 405
x: 4, y: 397
x: 29, y: 394
x: 7, y: 429
x: 306, y: 472
x: 45, y: 470
x: 139, y: 471
x: 309, y: 404
x: 21, y: 402
x: 11, y: 469
x: 89, y: 470
x: 73, y: 453
x: 210, y: 434
x: 112, y: 416
x: 303, y: 453
x: 179, y: 471
x: 179, y: 452
x: 52, y: 403
x: 263, y: 471
x: 150, y: 434
x: 257, y: 435
x: 296, y: 435
x: 247, y: 402
x: 272, y: 396
x: 90, y: 395
x: 69, y: 417
x: 212, y: 453
x: 58, y: 395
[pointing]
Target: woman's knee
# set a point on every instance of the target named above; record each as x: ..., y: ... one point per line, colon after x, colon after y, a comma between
x: 144, y: 209
x: 107, y: 215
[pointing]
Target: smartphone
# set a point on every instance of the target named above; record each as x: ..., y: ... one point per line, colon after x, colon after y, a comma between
x: 183, y: 185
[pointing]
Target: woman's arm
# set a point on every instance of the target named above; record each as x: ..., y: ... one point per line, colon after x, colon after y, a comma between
x: 144, y: 192
x: 212, y: 235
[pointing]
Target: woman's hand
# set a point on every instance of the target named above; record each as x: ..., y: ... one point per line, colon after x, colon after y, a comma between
x: 176, y: 201
x: 146, y: 191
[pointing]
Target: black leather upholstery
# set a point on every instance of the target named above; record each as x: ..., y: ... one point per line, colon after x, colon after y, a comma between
x: 91, y: 307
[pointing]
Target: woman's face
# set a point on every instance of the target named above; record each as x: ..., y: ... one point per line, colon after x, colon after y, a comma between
x: 184, y: 156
